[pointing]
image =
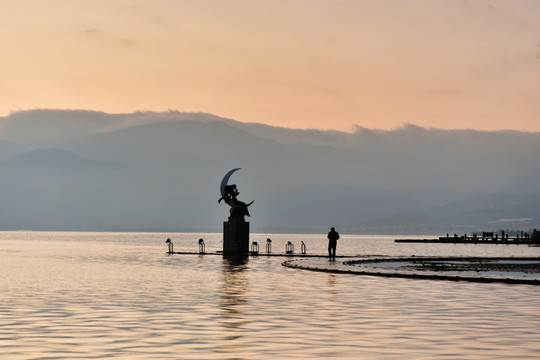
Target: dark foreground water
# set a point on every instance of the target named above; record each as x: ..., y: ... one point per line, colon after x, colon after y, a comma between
x: 118, y: 295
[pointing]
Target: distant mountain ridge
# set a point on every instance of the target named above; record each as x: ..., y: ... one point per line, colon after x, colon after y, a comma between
x: 480, y: 213
x: 162, y: 170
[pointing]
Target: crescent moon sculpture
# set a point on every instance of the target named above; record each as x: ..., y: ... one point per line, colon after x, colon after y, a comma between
x: 229, y: 193
x: 225, y: 181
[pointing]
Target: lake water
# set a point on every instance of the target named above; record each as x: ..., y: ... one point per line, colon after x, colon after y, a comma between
x: 76, y: 295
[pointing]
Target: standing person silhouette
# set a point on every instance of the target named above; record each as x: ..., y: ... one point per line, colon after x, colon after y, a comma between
x: 333, y: 237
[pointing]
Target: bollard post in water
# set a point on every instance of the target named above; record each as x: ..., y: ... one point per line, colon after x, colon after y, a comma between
x: 289, y: 248
x: 171, y: 246
x: 202, y: 247
x: 303, y: 248
x: 268, y: 246
x: 254, y: 248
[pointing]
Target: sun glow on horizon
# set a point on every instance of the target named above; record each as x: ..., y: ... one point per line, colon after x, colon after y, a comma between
x: 302, y: 64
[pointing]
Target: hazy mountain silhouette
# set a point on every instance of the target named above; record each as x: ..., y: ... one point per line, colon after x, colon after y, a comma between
x: 90, y: 170
x: 52, y: 189
x: 475, y: 214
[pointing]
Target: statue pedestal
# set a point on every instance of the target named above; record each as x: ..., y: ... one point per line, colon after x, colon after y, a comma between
x: 236, y: 237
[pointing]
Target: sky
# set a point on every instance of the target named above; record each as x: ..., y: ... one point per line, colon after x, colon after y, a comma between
x: 325, y: 64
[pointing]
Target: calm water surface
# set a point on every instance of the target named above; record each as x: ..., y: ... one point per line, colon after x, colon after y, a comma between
x: 118, y: 295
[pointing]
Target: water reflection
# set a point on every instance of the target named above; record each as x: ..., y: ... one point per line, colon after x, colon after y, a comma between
x: 233, y: 294
x: 331, y: 302
x: 233, y: 304
x: 332, y: 284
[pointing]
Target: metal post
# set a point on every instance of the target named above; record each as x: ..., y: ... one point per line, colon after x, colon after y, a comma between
x: 171, y: 246
x: 303, y: 248
x: 268, y: 245
x: 201, y: 246
x: 254, y: 248
x: 289, y: 248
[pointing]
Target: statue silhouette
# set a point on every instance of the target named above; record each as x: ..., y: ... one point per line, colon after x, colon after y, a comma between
x: 229, y: 193
x: 239, y: 209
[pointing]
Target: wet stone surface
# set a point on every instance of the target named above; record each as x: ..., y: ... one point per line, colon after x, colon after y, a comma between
x: 511, y: 270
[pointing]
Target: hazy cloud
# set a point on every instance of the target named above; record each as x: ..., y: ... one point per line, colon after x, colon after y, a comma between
x: 127, y: 42
x: 95, y: 33
x: 91, y: 32
x: 149, y: 14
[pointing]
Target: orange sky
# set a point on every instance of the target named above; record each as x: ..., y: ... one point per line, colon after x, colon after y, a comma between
x: 329, y: 64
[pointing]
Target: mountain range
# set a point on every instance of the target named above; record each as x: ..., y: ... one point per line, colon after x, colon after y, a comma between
x: 86, y: 170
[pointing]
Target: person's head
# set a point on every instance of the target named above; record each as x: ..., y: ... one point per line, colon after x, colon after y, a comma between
x: 332, y: 229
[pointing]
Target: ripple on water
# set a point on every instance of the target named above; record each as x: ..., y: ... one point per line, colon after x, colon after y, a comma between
x: 99, y: 300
